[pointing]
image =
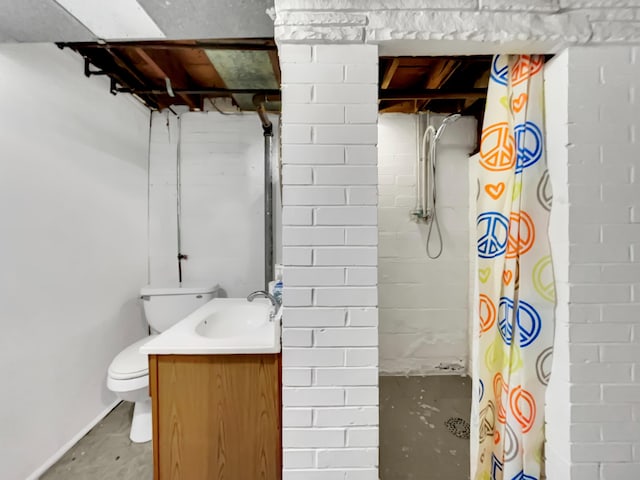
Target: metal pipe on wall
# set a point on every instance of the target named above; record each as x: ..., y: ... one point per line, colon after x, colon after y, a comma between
x: 268, y: 209
x: 181, y: 256
x: 267, y: 129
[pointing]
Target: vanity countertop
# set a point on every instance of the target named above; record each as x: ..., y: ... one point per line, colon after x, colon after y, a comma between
x: 222, y: 326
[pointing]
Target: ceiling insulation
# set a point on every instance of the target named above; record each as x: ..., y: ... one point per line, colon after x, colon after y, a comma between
x: 250, y: 69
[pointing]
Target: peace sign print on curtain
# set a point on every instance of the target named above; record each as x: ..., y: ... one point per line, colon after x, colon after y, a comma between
x: 514, y: 322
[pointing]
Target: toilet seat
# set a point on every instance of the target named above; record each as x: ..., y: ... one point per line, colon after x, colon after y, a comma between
x: 131, y: 389
x: 130, y: 364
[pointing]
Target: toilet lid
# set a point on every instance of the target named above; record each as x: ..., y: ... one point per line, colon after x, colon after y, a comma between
x: 130, y: 363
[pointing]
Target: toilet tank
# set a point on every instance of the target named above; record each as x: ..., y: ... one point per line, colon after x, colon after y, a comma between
x: 164, y: 306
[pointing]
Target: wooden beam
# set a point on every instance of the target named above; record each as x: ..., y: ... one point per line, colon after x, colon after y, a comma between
x: 198, y: 66
x: 402, y: 107
x: 481, y: 82
x: 433, y: 94
x: 442, y: 71
x: 389, y: 73
x: 158, y: 71
x: 275, y: 64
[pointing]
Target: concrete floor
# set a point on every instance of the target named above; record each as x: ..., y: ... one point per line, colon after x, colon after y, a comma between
x: 415, y: 443
x: 106, y: 453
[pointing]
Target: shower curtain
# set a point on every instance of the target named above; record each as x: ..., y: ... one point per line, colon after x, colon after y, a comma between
x: 514, y: 323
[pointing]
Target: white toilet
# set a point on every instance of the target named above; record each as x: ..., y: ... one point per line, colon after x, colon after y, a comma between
x: 128, y: 374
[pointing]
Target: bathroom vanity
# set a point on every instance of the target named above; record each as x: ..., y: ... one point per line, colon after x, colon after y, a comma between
x: 214, y: 381
x: 216, y: 416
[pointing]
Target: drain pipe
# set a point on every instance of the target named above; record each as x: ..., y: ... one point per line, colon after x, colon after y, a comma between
x: 267, y: 129
x: 181, y: 256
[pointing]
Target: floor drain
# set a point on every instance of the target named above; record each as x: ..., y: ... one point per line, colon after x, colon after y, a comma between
x: 458, y: 427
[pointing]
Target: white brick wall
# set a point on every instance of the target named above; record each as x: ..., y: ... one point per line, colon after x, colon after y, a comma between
x: 424, y: 312
x: 222, y: 165
x: 591, y: 422
x: 330, y: 336
x: 592, y: 401
x: 604, y: 308
x: 469, y: 25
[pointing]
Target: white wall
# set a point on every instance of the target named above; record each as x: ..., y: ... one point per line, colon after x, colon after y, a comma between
x: 424, y: 311
x: 557, y: 408
x: 73, y: 204
x: 222, y: 200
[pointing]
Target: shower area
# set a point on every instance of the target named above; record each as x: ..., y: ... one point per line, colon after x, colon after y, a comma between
x: 430, y: 115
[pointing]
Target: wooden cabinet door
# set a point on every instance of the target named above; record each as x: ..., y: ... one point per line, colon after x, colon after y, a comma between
x: 216, y: 417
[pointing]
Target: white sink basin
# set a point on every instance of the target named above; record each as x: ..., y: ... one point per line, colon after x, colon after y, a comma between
x: 235, y: 320
x: 221, y: 326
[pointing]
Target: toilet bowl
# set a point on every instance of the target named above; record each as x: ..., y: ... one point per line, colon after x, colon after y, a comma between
x: 128, y: 377
x: 128, y: 374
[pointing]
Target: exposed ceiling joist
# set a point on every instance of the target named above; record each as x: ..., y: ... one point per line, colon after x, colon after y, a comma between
x: 161, y: 73
x: 199, y: 67
x: 275, y: 64
x: 442, y: 71
x: 389, y: 73
x: 186, y: 72
x: 440, y: 84
x: 399, y: 107
x: 432, y: 94
x: 122, y: 62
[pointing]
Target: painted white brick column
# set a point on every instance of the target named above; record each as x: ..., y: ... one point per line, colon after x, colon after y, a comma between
x: 330, y: 334
x: 604, y: 271
x: 557, y: 426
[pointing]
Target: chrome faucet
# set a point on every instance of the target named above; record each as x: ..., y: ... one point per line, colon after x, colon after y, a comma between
x: 274, y: 302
